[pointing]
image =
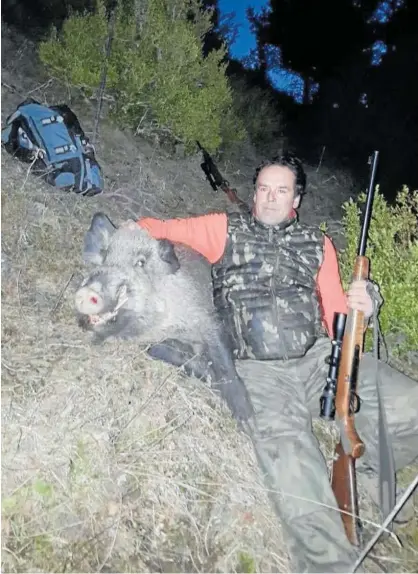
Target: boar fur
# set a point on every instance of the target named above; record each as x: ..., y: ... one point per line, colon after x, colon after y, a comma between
x: 160, y: 294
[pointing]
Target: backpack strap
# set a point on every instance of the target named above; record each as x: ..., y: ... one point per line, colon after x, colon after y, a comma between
x: 70, y: 119
x: 19, y: 130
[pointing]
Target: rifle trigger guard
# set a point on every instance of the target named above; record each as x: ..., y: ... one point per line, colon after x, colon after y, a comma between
x: 355, y: 403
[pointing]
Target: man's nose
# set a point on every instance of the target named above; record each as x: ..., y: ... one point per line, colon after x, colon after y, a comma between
x: 272, y: 194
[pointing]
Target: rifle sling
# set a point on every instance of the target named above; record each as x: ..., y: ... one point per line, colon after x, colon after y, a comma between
x: 387, y: 482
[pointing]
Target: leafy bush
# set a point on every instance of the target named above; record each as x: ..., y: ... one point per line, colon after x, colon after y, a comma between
x: 257, y: 110
x: 392, y: 248
x: 156, y: 71
x: 75, y: 55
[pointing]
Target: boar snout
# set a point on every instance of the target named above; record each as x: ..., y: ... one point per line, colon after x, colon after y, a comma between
x: 88, y: 301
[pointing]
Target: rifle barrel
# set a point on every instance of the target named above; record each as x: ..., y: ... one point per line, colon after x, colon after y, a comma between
x: 369, y: 202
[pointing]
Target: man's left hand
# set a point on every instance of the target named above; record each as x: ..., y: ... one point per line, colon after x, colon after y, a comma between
x: 359, y: 299
x: 130, y: 224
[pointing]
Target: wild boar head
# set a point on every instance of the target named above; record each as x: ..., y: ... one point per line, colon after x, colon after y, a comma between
x: 120, y: 294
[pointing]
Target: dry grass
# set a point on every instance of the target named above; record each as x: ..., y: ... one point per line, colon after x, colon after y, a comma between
x: 111, y: 461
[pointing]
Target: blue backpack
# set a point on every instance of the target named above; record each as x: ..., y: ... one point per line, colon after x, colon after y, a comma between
x: 52, y: 139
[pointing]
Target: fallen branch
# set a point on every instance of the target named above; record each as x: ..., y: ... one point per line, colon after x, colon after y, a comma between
x: 386, y: 522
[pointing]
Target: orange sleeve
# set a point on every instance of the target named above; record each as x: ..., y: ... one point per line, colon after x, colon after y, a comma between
x: 331, y: 292
x: 205, y: 233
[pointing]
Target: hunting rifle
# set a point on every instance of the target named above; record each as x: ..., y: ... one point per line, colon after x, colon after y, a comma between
x: 216, y: 180
x: 340, y: 396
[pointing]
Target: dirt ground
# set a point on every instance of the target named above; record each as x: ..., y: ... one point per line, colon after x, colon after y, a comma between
x: 112, y: 462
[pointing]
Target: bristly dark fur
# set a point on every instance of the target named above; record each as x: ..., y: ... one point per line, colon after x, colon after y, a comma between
x: 161, y: 291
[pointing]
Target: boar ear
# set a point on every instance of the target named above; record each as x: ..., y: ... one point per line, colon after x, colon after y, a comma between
x: 97, y: 239
x: 168, y: 255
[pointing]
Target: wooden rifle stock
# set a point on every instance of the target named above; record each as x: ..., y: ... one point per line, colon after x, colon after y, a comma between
x: 347, y: 401
x: 233, y: 197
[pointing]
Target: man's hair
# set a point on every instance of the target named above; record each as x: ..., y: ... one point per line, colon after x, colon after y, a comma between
x: 291, y: 161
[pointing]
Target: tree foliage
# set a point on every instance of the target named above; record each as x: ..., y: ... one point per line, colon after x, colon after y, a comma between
x: 359, y: 105
x: 392, y: 90
x: 315, y: 37
x: 157, y: 72
x: 362, y: 107
x: 259, y: 112
x: 32, y: 16
x: 392, y: 248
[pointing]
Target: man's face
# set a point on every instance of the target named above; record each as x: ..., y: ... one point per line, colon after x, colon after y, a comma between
x: 274, y: 196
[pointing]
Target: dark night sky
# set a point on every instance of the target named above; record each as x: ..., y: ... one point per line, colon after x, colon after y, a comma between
x: 282, y: 79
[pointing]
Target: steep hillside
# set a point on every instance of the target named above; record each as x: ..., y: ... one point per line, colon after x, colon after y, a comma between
x: 110, y: 461
x: 139, y: 174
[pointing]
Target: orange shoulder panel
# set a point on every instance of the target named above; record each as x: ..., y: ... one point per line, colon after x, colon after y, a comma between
x: 205, y: 234
x: 331, y: 292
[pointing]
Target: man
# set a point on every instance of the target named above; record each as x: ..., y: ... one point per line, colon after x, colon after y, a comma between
x: 277, y: 286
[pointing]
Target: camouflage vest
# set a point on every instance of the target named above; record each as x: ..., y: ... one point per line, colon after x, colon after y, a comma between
x: 265, y: 287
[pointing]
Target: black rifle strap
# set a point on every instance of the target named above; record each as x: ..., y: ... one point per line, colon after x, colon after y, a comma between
x: 387, y: 481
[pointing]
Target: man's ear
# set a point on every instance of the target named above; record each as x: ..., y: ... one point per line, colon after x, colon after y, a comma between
x: 296, y: 202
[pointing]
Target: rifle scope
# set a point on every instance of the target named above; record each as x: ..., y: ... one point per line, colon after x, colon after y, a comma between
x: 327, y: 400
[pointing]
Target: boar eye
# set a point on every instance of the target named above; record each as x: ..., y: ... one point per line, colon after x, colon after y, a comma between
x: 141, y: 260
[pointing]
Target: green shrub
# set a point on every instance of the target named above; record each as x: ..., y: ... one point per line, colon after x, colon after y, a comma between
x: 257, y: 111
x: 392, y: 248
x: 75, y: 55
x: 156, y: 72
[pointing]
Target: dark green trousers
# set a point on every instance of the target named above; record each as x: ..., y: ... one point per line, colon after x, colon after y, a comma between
x: 286, y: 397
